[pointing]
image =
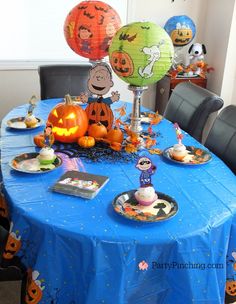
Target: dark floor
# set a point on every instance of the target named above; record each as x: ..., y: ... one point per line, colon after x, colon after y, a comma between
x: 10, y: 292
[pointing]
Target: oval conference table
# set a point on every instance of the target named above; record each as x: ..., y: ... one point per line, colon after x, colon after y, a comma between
x: 81, y: 251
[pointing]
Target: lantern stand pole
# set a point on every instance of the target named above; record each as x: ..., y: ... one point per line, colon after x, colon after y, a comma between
x: 135, y: 117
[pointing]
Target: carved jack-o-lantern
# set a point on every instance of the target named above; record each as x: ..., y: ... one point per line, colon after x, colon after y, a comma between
x: 90, y: 27
x: 122, y: 63
x: 181, y: 36
x: 230, y: 288
x: 13, y: 245
x: 33, y: 289
x: 100, y: 112
x: 69, y: 121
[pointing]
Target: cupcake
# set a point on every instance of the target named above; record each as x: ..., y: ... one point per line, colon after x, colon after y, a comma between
x: 31, y: 121
x: 145, y: 195
x: 46, y: 156
x: 179, y: 152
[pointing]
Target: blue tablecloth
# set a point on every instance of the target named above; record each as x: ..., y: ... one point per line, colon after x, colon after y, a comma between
x: 81, y: 251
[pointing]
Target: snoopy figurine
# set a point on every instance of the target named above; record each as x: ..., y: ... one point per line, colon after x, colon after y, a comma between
x: 197, y: 52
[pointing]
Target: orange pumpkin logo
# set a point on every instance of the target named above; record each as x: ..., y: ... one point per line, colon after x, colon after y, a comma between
x: 34, y: 290
x: 13, y: 244
x: 122, y: 63
x: 181, y: 36
x: 3, y: 206
x: 230, y: 288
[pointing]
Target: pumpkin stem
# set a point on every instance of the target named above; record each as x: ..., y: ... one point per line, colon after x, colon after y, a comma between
x: 68, y: 100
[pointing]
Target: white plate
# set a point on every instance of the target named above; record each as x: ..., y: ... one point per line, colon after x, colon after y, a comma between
x: 19, y: 124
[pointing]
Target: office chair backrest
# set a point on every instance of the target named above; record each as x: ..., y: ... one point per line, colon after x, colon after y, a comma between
x: 221, y: 139
x: 58, y: 80
x: 190, y: 106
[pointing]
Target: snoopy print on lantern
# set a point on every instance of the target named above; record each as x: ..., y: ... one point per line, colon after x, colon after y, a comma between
x: 141, y: 53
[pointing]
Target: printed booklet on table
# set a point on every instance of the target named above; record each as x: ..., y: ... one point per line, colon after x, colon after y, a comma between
x: 81, y: 184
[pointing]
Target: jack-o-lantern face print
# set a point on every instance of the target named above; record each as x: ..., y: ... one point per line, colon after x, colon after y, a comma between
x: 3, y: 207
x: 13, y: 245
x: 230, y: 288
x: 181, y: 36
x: 33, y: 288
x: 100, y: 112
x: 122, y: 63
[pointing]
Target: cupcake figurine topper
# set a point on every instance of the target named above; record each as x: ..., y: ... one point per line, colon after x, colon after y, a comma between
x: 32, y: 105
x: 144, y: 164
x: 48, y: 135
x: 179, y: 133
x: 145, y: 194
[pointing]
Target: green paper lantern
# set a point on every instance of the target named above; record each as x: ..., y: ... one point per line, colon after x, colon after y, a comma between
x: 141, y: 53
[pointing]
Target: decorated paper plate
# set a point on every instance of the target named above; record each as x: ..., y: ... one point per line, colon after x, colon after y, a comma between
x: 146, y: 117
x: 162, y: 209
x: 195, y: 156
x: 187, y: 76
x: 29, y: 163
x: 77, y: 100
x: 18, y: 123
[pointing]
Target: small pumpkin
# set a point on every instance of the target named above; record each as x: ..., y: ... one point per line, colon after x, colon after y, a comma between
x: 97, y: 130
x: 86, y: 141
x: 115, y: 135
x: 100, y: 112
x: 69, y: 121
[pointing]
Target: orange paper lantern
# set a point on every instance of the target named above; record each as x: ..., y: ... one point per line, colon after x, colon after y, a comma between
x: 90, y: 27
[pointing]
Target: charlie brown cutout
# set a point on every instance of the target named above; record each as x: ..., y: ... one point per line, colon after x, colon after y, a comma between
x: 99, y: 84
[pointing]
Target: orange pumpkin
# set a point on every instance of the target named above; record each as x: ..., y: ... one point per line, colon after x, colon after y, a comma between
x: 86, y: 141
x: 33, y: 291
x: 115, y: 135
x: 122, y: 63
x: 97, y: 130
x: 230, y: 288
x: 13, y: 245
x: 69, y: 121
x: 181, y: 36
x: 100, y: 112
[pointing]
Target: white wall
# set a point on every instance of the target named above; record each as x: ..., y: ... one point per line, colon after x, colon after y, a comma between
x: 213, y: 22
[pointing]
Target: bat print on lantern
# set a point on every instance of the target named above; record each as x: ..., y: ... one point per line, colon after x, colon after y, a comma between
x: 99, y: 84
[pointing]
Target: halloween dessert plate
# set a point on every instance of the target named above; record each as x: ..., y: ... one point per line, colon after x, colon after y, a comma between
x: 161, y: 209
x: 29, y: 163
x: 195, y: 156
x: 77, y: 100
x: 19, y: 123
x: 146, y: 117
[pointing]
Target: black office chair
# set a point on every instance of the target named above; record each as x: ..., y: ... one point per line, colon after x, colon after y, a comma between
x: 58, y: 80
x: 221, y: 139
x: 190, y: 106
